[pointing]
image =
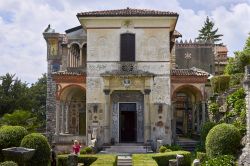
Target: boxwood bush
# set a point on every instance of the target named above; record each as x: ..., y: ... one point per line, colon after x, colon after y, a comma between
x: 143, y: 159
x: 162, y: 159
x: 223, y: 139
x: 11, y: 136
x: 40, y: 143
x: 8, y: 163
x: 93, y: 160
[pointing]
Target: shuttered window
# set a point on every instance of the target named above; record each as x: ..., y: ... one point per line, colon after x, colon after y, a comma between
x: 127, y: 47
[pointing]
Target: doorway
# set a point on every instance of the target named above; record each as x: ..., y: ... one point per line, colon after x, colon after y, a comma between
x: 128, y: 122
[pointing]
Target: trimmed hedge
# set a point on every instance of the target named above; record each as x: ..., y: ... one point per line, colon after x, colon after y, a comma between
x: 93, y: 160
x: 223, y: 139
x: 40, y: 143
x: 162, y: 159
x: 201, y: 156
x: 143, y: 160
x: 11, y: 136
x: 8, y: 163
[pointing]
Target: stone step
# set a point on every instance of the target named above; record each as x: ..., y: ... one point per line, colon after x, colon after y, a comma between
x: 124, y: 160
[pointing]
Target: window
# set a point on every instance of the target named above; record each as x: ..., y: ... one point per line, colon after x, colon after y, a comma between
x: 127, y: 47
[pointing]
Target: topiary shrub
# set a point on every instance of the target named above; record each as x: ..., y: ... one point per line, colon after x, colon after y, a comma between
x: 225, y: 160
x: 88, y: 150
x: 162, y: 149
x: 223, y: 139
x: 11, y: 136
x: 8, y: 163
x: 40, y: 143
x: 205, y: 128
x: 162, y: 159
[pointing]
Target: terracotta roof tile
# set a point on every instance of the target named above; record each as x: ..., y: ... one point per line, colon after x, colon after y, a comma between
x: 188, y: 72
x: 126, y: 12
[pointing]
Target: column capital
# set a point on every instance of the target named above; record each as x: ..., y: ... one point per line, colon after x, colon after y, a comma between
x: 106, y: 91
x: 147, y: 91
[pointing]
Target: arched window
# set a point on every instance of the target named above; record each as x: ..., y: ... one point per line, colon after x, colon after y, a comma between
x: 127, y: 48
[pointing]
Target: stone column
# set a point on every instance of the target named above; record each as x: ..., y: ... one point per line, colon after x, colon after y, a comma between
x: 68, y: 57
x: 173, y: 124
x: 203, y: 111
x: 106, y: 117
x: 67, y: 118
x: 147, y: 128
x: 193, y: 117
x: 244, y: 159
x: 80, y: 57
x: 57, y: 116
x: 198, y: 118
x: 62, y: 118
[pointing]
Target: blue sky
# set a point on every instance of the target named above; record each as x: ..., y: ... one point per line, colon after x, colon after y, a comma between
x: 23, y: 49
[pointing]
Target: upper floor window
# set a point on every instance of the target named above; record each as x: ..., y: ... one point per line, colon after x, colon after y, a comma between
x: 127, y: 47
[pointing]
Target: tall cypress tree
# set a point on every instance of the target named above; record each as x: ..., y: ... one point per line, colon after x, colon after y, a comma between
x: 207, y: 33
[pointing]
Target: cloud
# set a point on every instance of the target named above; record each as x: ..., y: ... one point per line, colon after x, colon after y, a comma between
x: 23, y: 49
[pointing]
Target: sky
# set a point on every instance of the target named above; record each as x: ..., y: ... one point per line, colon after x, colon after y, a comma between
x: 22, y: 22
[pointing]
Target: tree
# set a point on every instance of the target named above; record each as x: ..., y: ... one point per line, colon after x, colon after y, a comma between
x: 14, y: 94
x: 207, y: 33
x: 38, y: 94
x: 241, y: 59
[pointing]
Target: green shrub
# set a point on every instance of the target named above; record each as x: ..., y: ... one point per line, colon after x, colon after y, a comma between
x: 162, y: 159
x: 173, y: 147
x: 162, y: 149
x: 83, y: 151
x: 213, y: 108
x: 222, y: 139
x: 11, y: 136
x: 205, y: 128
x: 220, y: 83
x: 88, y: 150
x: 93, y: 160
x: 236, y: 79
x: 143, y: 160
x: 239, y: 94
x: 225, y: 160
x: 201, y: 156
x: 40, y: 144
x: 8, y: 163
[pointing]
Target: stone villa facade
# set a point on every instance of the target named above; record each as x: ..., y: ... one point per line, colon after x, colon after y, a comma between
x: 112, y: 79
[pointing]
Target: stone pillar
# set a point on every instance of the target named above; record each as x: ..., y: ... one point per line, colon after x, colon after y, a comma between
x: 67, y: 118
x: 198, y: 118
x: 68, y: 57
x: 173, y: 124
x: 203, y: 111
x: 57, y: 116
x: 193, y: 117
x: 62, y: 118
x: 147, y: 128
x: 244, y: 159
x: 106, y: 118
x: 81, y: 57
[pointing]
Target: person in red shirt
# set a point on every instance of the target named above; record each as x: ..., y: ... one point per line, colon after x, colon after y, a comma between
x: 76, y: 147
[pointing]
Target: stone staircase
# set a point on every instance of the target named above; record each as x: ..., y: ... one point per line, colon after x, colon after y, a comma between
x: 124, y: 160
x: 187, y: 144
x: 128, y: 149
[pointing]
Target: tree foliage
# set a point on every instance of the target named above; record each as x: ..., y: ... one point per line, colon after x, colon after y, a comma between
x: 17, y: 95
x: 242, y: 58
x: 20, y: 118
x: 208, y: 33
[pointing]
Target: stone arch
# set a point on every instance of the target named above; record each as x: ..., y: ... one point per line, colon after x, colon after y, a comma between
x: 187, y: 102
x: 73, y: 97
